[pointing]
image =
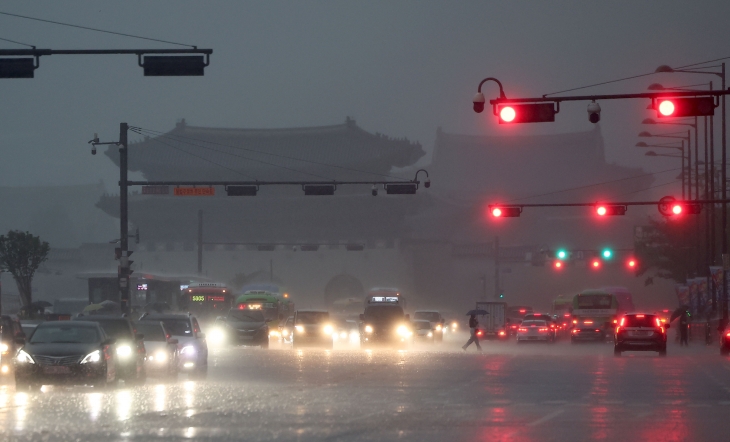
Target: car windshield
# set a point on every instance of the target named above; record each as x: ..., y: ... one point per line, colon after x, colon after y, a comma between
x: 152, y: 332
x: 640, y: 321
x: 115, y: 328
x: 246, y: 315
x: 312, y: 317
x: 66, y: 333
x: 534, y: 323
x: 178, y: 327
x: 423, y: 325
x: 383, y: 312
x: 428, y: 316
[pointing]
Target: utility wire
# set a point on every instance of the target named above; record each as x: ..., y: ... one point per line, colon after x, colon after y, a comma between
x: 635, y: 76
x: 17, y: 42
x: 240, y: 156
x: 197, y: 156
x: 95, y: 29
x: 158, y: 133
x: 648, y: 188
x: 594, y: 185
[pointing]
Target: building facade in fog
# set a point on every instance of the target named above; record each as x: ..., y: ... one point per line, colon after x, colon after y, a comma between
x: 438, y: 246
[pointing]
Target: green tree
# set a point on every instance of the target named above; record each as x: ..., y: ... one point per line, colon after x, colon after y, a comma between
x: 21, y: 253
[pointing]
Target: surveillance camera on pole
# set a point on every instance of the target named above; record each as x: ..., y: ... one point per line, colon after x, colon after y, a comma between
x: 479, y: 103
x: 427, y: 183
x: 374, y: 190
x: 594, y: 112
x: 93, y: 143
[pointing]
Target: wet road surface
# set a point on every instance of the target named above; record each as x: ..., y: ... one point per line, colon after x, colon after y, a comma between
x: 439, y: 393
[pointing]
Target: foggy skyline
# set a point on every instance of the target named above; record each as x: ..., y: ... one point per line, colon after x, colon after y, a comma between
x: 402, y: 69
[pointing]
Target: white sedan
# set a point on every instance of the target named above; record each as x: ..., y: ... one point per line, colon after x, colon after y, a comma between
x: 533, y: 331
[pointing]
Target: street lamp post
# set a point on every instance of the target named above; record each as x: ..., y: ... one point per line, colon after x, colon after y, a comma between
x: 686, y: 138
x: 723, y: 172
x: 669, y: 146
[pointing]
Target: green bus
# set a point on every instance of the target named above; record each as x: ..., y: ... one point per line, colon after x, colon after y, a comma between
x: 594, y: 315
x: 274, y: 306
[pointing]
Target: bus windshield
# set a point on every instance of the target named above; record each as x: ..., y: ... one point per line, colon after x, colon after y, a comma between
x: 383, y: 312
x: 598, y: 301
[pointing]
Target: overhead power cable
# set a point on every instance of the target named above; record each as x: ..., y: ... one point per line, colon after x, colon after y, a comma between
x: 17, y: 42
x: 202, y: 158
x: 158, y: 133
x: 596, y: 184
x: 140, y: 130
x: 95, y: 29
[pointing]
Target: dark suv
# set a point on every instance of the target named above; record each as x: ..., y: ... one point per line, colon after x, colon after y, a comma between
x: 130, y: 350
x: 312, y: 327
x: 640, y: 332
x: 192, y: 345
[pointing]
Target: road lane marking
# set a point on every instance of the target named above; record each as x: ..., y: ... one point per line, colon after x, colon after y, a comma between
x: 546, y: 418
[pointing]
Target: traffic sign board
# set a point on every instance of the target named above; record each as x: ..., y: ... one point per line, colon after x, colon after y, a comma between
x: 194, y: 191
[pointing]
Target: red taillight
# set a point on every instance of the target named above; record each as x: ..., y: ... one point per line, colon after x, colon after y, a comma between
x: 575, y: 330
x: 542, y: 329
x: 639, y: 316
x: 501, y: 333
x: 728, y: 335
x: 598, y: 330
x: 618, y: 330
x: 523, y: 329
x: 514, y: 326
x: 658, y: 322
x: 622, y: 322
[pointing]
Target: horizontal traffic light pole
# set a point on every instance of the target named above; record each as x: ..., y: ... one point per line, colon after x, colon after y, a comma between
x: 264, y: 183
x: 633, y: 203
x: 650, y: 95
x: 668, y: 206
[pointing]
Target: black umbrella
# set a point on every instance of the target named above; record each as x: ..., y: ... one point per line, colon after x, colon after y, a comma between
x: 476, y: 312
x: 679, y: 311
x: 40, y: 304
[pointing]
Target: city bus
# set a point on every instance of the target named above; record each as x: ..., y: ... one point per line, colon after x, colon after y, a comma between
x: 594, y: 315
x: 378, y: 294
x: 273, y: 305
x: 207, y: 300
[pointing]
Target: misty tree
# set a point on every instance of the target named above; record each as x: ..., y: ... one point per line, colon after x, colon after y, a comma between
x: 21, y: 253
x: 666, y: 248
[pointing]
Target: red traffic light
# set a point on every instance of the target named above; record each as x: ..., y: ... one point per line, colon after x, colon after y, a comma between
x: 685, y: 107
x: 631, y: 263
x: 505, y: 211
x: 610, y: 210
x: 526, y: 113
x: 677, y: 209
x: 558, y: 264
x: 596, y: 263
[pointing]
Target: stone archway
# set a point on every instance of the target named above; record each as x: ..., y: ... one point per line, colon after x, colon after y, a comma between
x: 343, y: 286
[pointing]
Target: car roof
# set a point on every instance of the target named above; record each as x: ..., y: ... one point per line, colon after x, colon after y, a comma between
x: 640, y: 313
x: 421, y: 320
x: 95, y: 317
x: 427, y: 311
x: 160, y: 316
x: 81, y: 323
x: 312, y: 311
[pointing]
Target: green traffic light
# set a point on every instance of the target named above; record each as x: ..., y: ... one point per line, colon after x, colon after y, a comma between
x: 607, y: 253
x: 561, y: 254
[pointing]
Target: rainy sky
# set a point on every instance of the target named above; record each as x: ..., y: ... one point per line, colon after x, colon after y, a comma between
x: 401, y: 68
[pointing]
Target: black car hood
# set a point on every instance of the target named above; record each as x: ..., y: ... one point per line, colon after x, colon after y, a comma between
x: 60, y: 349
x: 240, y: 325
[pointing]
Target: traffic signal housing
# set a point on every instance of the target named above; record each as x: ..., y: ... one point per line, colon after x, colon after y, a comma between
x: 610, y: 210
x: 685, y: 107
x: 526, y: 113
x: 505, y: 211
x: 680, y: 208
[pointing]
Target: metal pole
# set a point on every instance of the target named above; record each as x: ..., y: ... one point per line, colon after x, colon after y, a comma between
x: 123, y: 221
x: 724, y: 204
x: 708, y: 222
x: 496, y: 267
x: 689, y: 167
x: 200, y: 241
x: 713, y: 221
x: 684, y: 174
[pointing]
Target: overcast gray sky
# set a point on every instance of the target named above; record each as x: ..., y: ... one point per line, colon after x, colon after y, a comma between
x: 400, y: 68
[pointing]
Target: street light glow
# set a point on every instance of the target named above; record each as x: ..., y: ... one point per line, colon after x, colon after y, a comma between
x: 507, y: 114
x: 666, y: 108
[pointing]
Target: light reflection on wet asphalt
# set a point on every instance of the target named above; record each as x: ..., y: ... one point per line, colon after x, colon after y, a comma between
x: 525, y: 393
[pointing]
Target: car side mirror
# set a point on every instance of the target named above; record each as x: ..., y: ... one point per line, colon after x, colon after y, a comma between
x: 139, y: 336
x: 172, y: 341
x: 201, y: 335
x: 667, y: 326
x: 20, y: 341
x: 362, y: 317
x: 110, y: 341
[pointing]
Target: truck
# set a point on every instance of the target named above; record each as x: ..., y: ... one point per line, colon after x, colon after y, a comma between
x: 594, y: 316
x: 385, y: 322
x: 493, y: 325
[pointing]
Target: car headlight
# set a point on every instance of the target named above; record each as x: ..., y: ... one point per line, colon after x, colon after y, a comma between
x: 124, y: 351
x: 4, y: 347
x: 24, y: 358
x: 285, y: 332
x: 429, y: 334
x: 93, y: 357
x: 438, y: 327
x: 188, y: 350
x: 217, y: 335
x: 368, y: 329
x: 160, y: 356
x: 328, y: 329
x: 300, y: 329
x: 402, y: 330
x: 343, y: 335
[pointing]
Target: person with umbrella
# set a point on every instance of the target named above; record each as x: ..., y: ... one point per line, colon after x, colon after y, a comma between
x: 683, y: 314
x: 473, y: 323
